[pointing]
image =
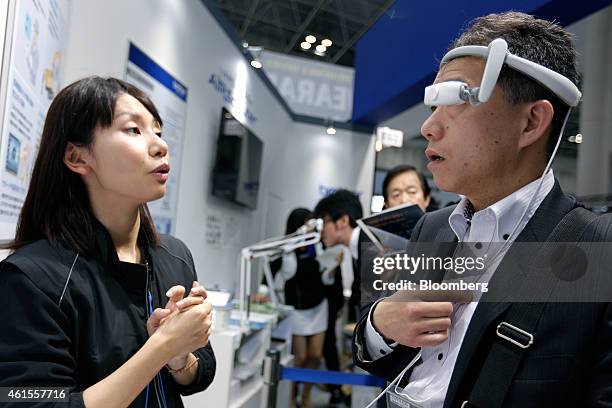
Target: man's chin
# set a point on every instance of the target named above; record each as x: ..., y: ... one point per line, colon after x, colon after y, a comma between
x: 329, y: 243
x: 447, y: 184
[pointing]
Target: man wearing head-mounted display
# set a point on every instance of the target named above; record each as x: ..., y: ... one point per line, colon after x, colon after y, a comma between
x: 499, y: 102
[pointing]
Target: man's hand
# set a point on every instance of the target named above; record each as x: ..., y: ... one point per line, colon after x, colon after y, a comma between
x: 417, y: 318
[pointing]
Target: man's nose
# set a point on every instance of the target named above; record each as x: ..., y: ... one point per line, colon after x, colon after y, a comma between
x: 432, y: 128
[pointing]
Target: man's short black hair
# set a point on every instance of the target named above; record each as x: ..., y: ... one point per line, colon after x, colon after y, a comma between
x: 401, y: 169
x: 340, y: 203
x: 543, y: 42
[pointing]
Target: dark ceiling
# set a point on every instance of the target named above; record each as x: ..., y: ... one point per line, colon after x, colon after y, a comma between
x: 281, y: 25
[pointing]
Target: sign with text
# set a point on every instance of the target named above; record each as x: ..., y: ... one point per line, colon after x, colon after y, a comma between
x: 170, y: 97
x: 390, y: 137
x: 311, y: 88
x: 35, y: 37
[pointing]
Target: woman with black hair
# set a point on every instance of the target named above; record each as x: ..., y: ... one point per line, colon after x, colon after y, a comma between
x: 92, y: 297
x: 304, y: 290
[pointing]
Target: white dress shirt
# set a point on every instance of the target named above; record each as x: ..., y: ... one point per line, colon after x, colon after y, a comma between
x: 430, y: 379
x: 354, y: 244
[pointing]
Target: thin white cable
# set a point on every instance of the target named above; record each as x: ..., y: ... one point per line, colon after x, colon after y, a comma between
x: 400, y: 375
x: 514, y: 233
x: 68, y: 279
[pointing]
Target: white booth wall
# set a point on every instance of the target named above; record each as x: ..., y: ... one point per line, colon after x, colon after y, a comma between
x: 299, y: 162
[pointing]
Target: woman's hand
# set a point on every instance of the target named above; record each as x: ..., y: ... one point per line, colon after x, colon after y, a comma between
x: 185, y: 331
x: 177, y: 304
x: 197, y: 295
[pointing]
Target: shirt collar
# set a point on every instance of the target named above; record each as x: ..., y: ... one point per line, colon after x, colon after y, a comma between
x: 354, y: 243
x: 505, y: 213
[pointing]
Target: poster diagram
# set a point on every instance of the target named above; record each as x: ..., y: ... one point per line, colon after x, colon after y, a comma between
x: 37, y: 43
x: 170, y: 97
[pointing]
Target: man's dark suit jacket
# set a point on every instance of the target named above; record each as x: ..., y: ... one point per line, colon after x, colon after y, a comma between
x: 570, y: 362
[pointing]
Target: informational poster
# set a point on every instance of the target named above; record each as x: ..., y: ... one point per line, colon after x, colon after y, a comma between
x: 3, y: 26
x: 170, y: 98
x: 311, y: 88
x: 35, y: 42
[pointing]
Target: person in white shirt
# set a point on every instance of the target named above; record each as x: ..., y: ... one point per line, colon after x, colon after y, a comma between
x: 340, y: 212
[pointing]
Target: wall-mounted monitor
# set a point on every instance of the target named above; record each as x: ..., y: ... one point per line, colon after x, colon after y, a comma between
x: 238, y: 163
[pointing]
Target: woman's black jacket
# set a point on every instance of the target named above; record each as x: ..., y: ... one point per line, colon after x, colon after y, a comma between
x: 70, y: 321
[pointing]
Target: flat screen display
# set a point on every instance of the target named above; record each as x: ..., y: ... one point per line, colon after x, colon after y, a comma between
x: 238, y: 162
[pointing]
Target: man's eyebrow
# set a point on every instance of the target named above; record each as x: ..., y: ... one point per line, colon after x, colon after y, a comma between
x: 453, y: 78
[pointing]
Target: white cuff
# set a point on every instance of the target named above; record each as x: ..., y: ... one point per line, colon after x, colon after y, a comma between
x: 377, y: 347
x: 289, y: 265
x: 328, y: 277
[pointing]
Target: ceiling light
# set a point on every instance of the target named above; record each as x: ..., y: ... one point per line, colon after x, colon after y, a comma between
x: 311, y: 39
x: 256, y: 64
x: 305, y: 45
x: 579, y: 138
x: 245, y: 45
x: 331, y: 130
x: 321, y: 48
x: 326, y: 42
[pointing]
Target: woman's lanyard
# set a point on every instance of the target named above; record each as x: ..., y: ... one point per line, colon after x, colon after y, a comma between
x: 149, y: 299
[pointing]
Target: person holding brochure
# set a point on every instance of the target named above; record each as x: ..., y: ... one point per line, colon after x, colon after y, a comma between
x: 94, y: 300
x: 404, y: 184
x: 499, y: 105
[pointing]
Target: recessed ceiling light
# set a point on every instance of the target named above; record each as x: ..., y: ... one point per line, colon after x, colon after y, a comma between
x: 331, y: 130
x: 305, y: 45
x: 311, y: 39
x: 321, y: 48
x: 326, y: 42
x: 256, y: 64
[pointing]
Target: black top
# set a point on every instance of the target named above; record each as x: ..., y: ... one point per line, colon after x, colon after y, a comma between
x: 305, y: 289
x: 70, y: 321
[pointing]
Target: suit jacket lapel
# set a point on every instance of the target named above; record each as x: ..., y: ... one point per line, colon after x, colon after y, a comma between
x: 554, y: 207
x: 445, y: 234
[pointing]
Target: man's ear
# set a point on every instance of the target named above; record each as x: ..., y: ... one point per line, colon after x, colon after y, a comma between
x: 75, y: 158
x: 343, y: 221
x: 538, y: 119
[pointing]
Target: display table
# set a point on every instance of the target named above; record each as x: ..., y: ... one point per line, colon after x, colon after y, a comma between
x: 238, y: 381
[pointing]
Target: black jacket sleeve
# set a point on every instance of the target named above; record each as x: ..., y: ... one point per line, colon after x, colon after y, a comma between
x: 206, y: 372
x: 600, y: 384
x: 35, y: 343
x: 387, y: 367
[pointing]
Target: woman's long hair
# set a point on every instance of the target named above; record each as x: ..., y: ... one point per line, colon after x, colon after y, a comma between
x: 57, y: 206
x: 296, y: 219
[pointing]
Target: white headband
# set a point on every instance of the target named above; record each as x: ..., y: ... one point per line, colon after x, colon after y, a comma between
x: 456, y: 92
